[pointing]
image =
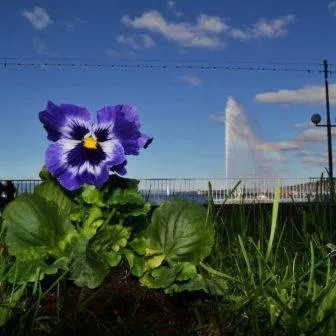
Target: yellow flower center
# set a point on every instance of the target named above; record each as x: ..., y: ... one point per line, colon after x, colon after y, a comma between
x: 90, y: 142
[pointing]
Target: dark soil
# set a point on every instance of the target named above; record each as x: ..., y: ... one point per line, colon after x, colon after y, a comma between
x: 121, y: 306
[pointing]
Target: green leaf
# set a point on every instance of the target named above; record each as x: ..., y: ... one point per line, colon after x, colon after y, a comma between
x: 113, y: 259
x: 94, y: 221
x: 136, y: 263
x: 213, y: 286
x: 161, y: 277
x: 196, y: 284
x: 112, y: 237
x: 138, y: 211
x: 181, y: 231
x: 53, y: 192
x: 216, y: 286
x: 91, y: 195
x: 139, y: 245
x: 77, y: 215
x: 115, y: 181
x: 139, y: 266
x: 115, y: 247
x: 88, y: 270
x: 62, y: 263
x: 74, y: 244
x: 44, y: 174
x: 154, y: 261
x: 29, y: 269
x: 9, y: 303
x: 128, y: 196
x: 32, y: 221
x: 189, y: 271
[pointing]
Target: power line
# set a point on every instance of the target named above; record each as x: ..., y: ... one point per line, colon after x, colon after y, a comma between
x: 24, y: 59
x: 151, y: 65
x: 254, y: 62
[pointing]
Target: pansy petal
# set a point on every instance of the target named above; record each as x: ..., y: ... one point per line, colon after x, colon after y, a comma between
x: 54, y: 118
x: 125, y: 126
x: 76, y: 129
x: 70, y: 181
x: 102, y: 132
x: 107, y: 114
x: 98, y: 173
x: 144, y: 141
x: 120, y: 169
x: 75, y: 112
x: 114, y: 152
x: 79, y: 155
x: 95, y: 175
x: 58, y: 167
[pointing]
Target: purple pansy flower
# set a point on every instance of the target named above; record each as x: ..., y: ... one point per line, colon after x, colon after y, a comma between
x: 85, y: 151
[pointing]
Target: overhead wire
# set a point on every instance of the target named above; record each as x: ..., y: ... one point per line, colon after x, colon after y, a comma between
x: 157, y: 64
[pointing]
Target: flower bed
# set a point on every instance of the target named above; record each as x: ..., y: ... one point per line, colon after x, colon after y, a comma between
x: 85, y: 254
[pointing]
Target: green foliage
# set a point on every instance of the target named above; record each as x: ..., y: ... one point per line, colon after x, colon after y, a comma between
x: 9, y: 302
x: 84, y: 232
x: 161, y: 277
x: 280, y: 278
x: 275, y: 279
x: 181, y: 232
x: 53, y: 192
x: 168, y: 253
x: 88, y: 270
x: 33, y: 223
x: 91, y: 195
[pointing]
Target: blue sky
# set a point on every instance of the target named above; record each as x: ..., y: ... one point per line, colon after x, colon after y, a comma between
x: 266, y: 114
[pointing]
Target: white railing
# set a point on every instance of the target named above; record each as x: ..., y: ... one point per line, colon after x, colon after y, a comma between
x: 249, y: 190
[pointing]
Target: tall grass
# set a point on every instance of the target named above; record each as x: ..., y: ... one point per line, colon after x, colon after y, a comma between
x: 281, y: 276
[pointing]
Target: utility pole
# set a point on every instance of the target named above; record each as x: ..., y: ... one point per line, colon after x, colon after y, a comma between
x: 316, y: 119
x: 330, y: 159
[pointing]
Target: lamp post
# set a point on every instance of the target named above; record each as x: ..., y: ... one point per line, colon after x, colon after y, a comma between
x: 316, y: 119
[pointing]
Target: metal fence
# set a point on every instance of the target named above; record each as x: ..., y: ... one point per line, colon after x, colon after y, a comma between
x: 259, y: 190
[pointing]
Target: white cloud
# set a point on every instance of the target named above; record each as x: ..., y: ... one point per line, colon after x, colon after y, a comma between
x: 213, y: 24
x: 73, y: 25
x: 209, y: 32
x: 302, y: 125
x: 171, y: 7
x: 128, y: 40
x: 316, y: 159
x: 314, y: 135
x: 171, y: 4
x: 192, y: 80
x: 111, y: 53
x: 332, y: 7
x: 267, y: 154
x: 264, y: 28
x: 308, y: 95
x: 38, y: 17
x: 185, y: 34
x: 41, y: 47
x: 148, y: 42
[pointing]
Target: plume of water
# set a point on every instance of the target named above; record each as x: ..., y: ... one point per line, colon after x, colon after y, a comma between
x: 244, y: 151
x: 227, y: 142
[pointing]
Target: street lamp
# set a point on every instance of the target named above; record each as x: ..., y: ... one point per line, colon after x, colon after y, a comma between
x: 316, y: 119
